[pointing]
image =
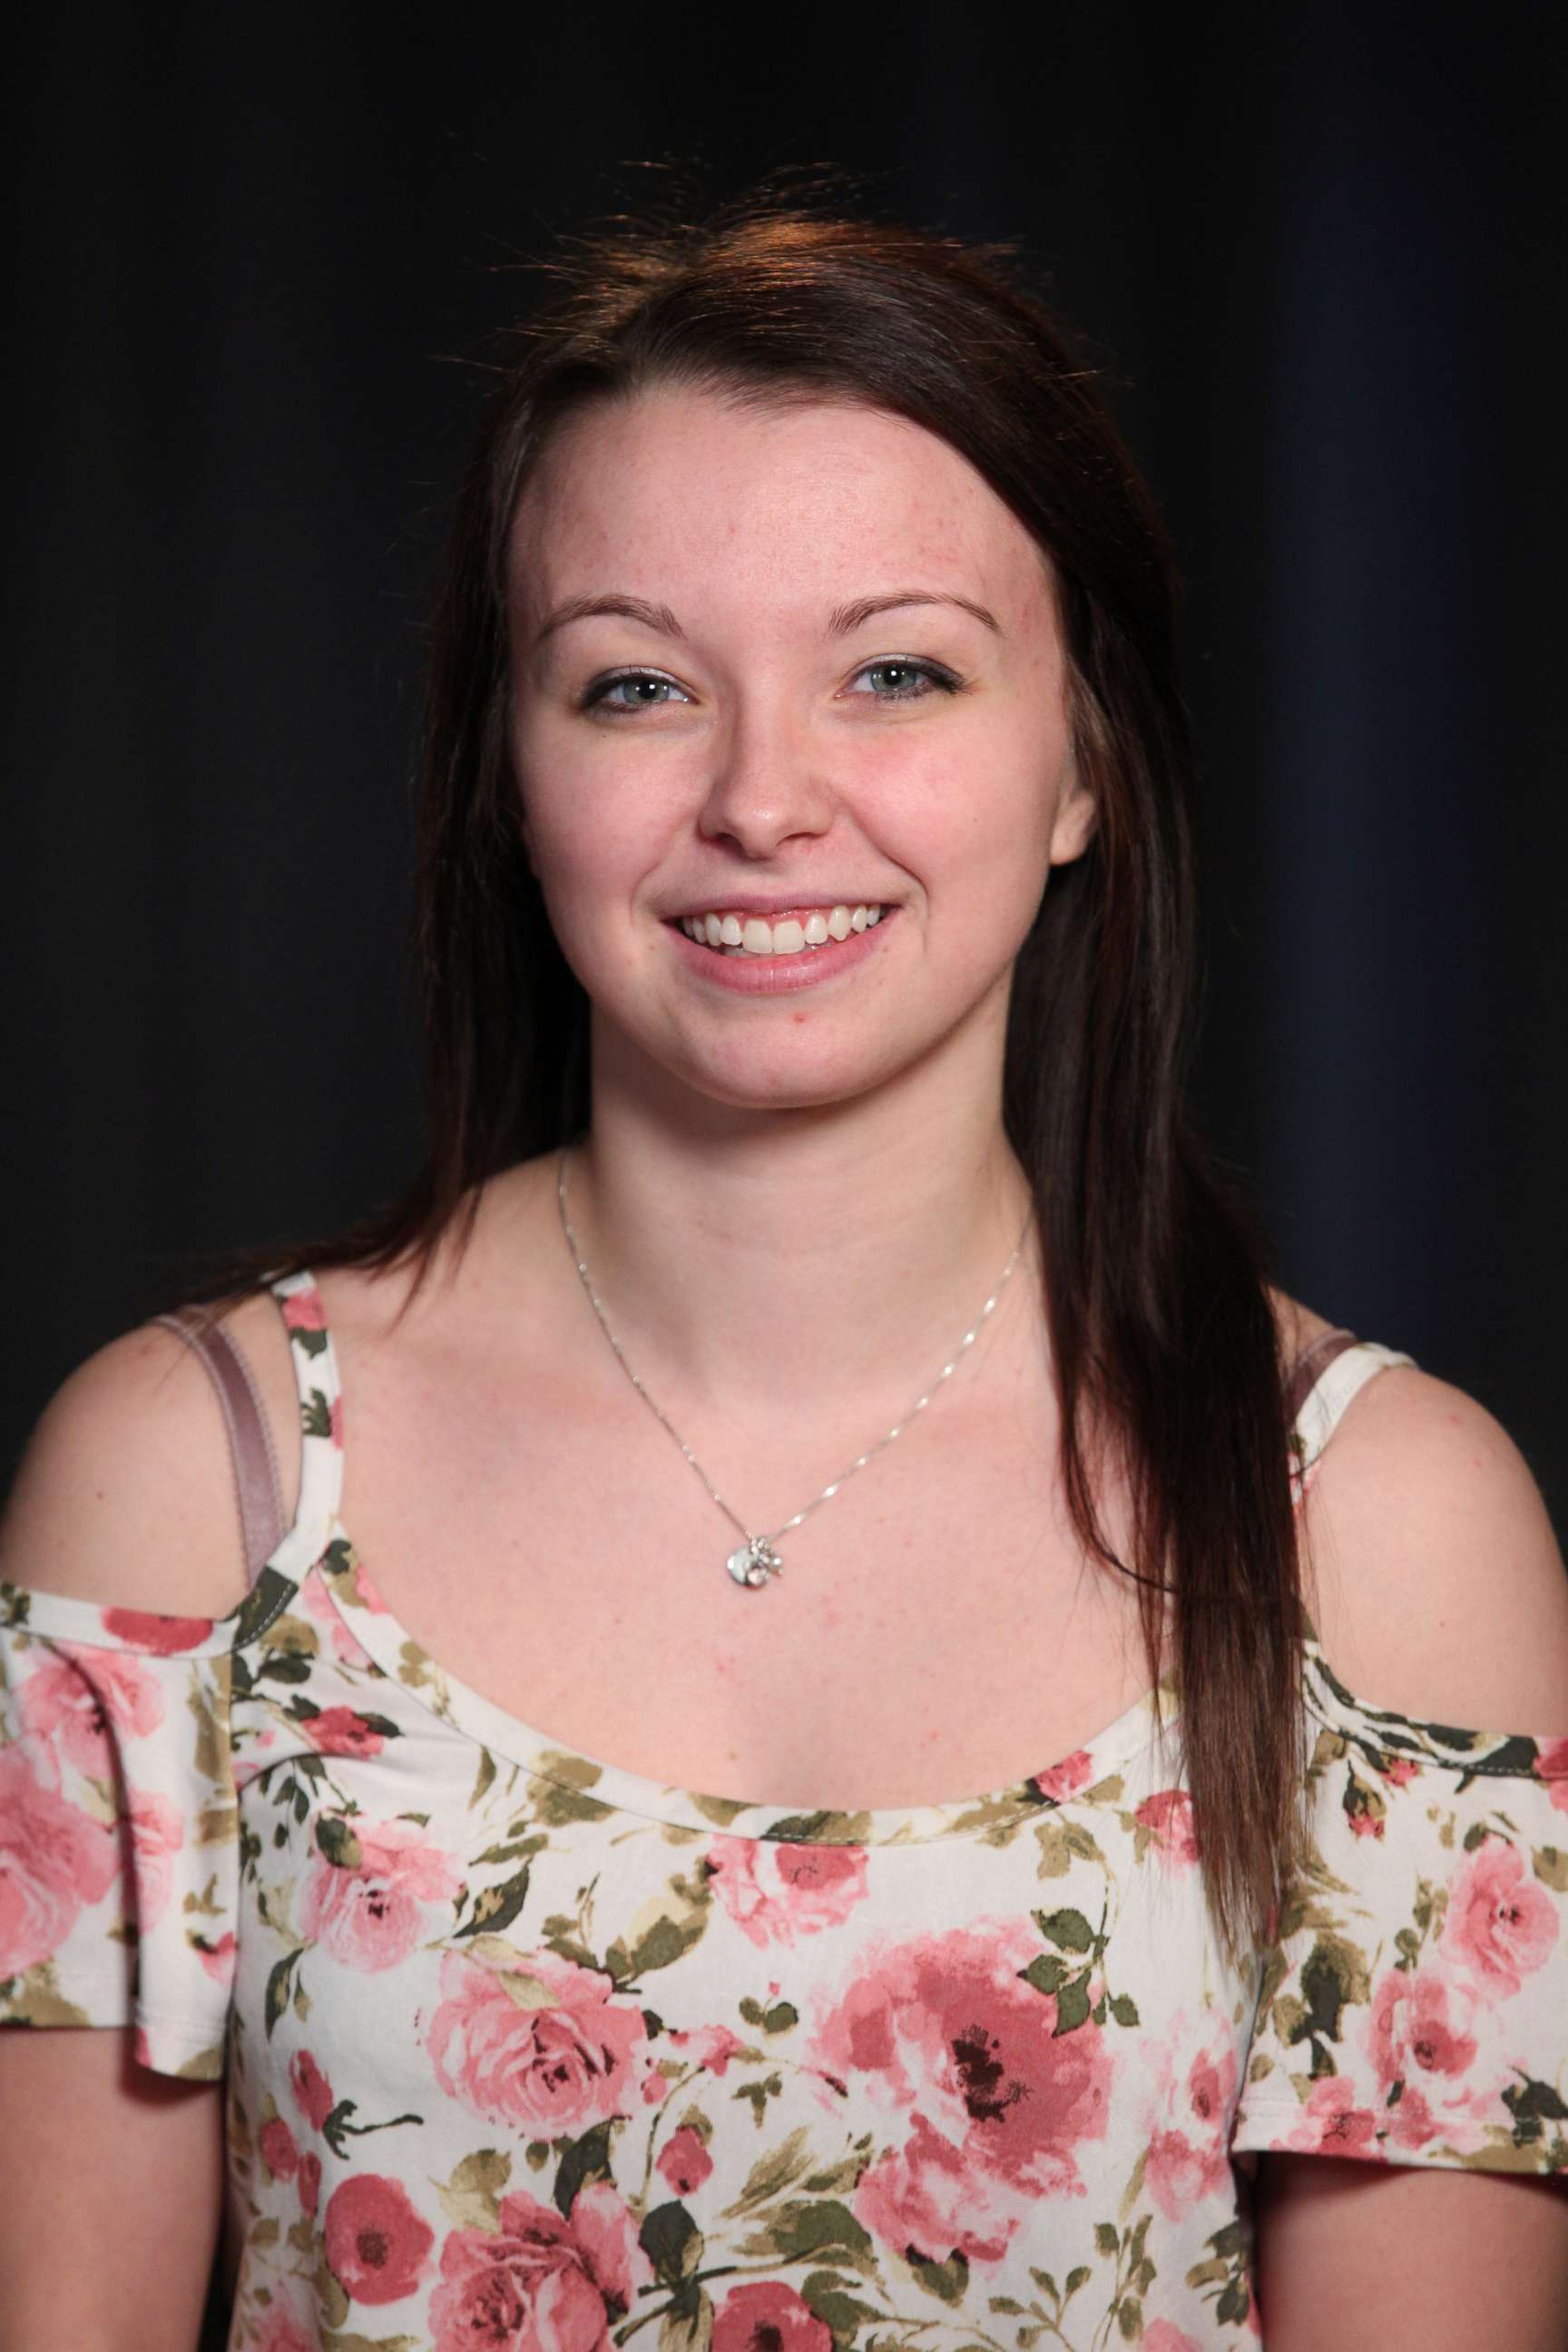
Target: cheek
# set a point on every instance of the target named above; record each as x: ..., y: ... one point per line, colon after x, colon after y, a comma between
x: 595, y: 829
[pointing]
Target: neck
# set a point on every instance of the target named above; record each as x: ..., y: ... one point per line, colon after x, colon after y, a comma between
x: 801, y: 1268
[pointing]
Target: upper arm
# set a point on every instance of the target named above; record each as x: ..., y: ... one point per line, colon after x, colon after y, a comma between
x: 1434, y: 1580
x: 110, y: 2194
x: 1438, y: 1590
x: 1409, y: 2260
x: 111, y: 2174
x: 125, y: 1494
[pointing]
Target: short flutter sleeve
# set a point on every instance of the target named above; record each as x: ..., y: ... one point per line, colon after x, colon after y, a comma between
x: 1414, y: 2008
x: 118, y: 1825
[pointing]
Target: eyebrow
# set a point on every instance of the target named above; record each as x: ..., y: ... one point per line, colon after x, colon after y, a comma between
x: 841, y: 621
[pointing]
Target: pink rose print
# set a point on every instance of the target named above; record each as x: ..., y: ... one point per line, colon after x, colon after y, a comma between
x: 1552, y: 1766
x: 278, y: 2153
x: 1332, y: 2123
x: 565, y: 2056
x: 776, y: 1892
x: 684, y: 2161
x: 378, y: 2247
x: 1169, y: 1815
x: 712, y: 2046
x: 541, y: 2278
x: 370, y: 1915
x: 312, y: 2092
x: 157, y: 1833
x: 283, y: 2333
x: 53, y: 1858
x: 1195, y: 2071
x: 303, y: 1311
x: 146, y: 1630
x: 218, y: 1958
x: 963, y: 2054
x: 929, y: 2195
x: 1499, y: 1924
x: 79, y: 1693
x: 1417, y: 2034
x: 768, y: 2316
x: 1066, y: 1779
x: 365, y: 1586
x: 317, y: 1603
x: 1400, y: 1770
x: 307, y: 2182
x: 339, y: 1731
x: 1164, y: 2335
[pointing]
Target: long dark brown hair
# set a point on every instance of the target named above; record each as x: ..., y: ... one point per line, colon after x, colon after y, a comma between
x: 1162, y: 1330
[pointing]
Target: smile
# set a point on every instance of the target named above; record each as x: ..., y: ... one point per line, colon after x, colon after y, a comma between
x: 792, y: 933
x: 769, y: 968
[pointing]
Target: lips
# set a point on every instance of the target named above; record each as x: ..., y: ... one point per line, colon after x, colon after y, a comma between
x: 784, y: 972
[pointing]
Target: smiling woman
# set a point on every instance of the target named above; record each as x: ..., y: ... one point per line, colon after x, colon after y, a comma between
x: 1056, y: 1883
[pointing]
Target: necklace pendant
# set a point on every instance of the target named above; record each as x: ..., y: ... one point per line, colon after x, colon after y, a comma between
x: 754, y: 1563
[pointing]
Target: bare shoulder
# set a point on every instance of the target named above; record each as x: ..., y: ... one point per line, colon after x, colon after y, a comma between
x: 124, y: 1493
x: 1433, y: 1574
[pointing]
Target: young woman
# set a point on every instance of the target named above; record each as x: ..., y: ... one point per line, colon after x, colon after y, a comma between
x: 528, y: 1880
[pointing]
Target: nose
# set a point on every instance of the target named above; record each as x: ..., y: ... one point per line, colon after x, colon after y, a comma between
x: 766, y: 786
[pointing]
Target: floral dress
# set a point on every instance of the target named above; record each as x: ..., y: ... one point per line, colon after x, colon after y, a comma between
x: 525, y: 2050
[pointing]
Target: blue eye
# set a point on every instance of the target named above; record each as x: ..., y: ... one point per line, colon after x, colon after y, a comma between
x: 916, y: 680
x: 598, y: 693
x: 938, y: 680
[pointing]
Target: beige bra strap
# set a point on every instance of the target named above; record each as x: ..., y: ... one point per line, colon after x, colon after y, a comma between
x: 1309, y: 1367
x: 262, y: 1518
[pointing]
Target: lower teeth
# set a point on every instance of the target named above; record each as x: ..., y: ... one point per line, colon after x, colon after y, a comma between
x: 811, y: 945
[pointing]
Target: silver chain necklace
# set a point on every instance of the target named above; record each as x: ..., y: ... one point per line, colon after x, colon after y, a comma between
x: 757, y: 1559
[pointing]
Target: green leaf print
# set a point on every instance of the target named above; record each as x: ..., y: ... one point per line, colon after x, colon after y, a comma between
x: 276, y: 1999
x: 672, y: 2242
x: 336, y: 2341
x: 1069, y: 1929
x: 832, y: 2300
x: 587, y: 2158
x: 1530, y: 2104
x: 266, y: 1596
x: 474, y: 2195
x: 1072, y: 2005
x: 1551, y: 1868
x: 773, y: 2173
x: 497, y: 1907
x: 316, y: 1414
x: 338, y: 1843
x: 947, y: 2281
x: 803, y: 2230
x: 1334, y: 1977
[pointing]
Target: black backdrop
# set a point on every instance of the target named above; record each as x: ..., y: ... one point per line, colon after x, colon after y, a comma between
x: 251, y: 251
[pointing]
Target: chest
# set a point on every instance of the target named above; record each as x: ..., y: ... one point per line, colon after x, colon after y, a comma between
x: 936, y: 1631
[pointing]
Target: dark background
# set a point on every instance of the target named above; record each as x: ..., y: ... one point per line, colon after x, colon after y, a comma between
x: 252, y: 256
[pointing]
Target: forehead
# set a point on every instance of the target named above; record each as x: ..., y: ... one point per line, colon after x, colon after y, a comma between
x: 798, y: 505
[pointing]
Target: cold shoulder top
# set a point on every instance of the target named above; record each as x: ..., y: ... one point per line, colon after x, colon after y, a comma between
x: 524, y: 2048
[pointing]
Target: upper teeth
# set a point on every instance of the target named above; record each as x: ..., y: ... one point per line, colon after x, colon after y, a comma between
x: 752, y: 935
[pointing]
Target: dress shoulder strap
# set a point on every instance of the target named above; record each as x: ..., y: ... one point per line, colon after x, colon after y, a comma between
x: 263, y: 1520
x: 1313, y: 1359
x: 1322, y: 1383
x: 277, y: 1550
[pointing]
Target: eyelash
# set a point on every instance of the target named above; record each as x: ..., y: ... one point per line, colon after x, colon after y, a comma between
x: 943, y: 681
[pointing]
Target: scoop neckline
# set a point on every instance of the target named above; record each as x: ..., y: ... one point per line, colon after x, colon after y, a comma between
x: 594, y: 1780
